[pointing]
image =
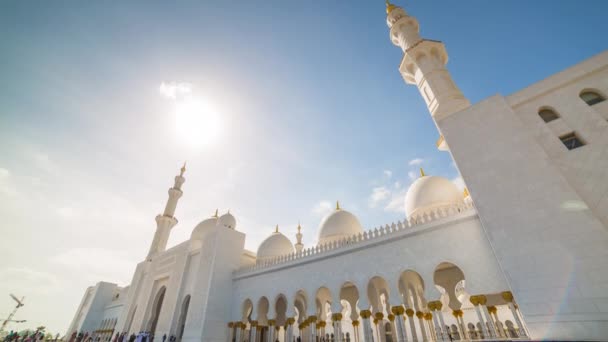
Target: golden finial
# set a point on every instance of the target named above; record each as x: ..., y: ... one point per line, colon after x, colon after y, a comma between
x: 276, y: 229
x: 389, y: 7
x: 422, y: 173
x: 299, y: 227
x: 337, y: 205
x: 183, y: 169
x: 466, y: 193
x: 215, y: 215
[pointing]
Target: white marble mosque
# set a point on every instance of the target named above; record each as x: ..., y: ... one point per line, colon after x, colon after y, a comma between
x: 520, y: 255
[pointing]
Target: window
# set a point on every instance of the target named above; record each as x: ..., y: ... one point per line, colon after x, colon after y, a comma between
x: 548, y: 115
x: 591, y: 97
x: 571, y: 140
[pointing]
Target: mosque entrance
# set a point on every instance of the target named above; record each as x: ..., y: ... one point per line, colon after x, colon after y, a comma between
x: 158, y: 303
x: 182, y: 318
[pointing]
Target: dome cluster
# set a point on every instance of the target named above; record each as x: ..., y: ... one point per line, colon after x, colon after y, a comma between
x: 207, y: 225
x: 425, y: 195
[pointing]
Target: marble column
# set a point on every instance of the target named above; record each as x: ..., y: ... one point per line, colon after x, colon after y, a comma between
x: 270, y: 335
x: 494, y: 314
x: 398, y: 311
x: 420, y: 316
x: 476, y: 301
x: 483, y: 300
x: 230, y: 331
x: 289, y: 329
x: 337, y: 323
x: 508, y: 296
x: 410, y: 314
x: 312, y: 327
x: 367, y: 328
x: 356, y: 330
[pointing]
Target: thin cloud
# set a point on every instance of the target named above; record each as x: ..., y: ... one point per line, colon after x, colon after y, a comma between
x: 415, y: 161
x: 378, y: 195
x: 388, y: 173
x: 172, y: 90
x: 412, y: 175
x: 322, y: 208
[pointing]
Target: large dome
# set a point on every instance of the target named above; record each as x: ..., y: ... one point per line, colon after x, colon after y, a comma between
x: 275, y: 245
x: 338, y: 225
x: 428, y: 193
x: 202, y: 228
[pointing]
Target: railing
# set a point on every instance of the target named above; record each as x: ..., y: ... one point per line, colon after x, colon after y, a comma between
x: 368, y: 235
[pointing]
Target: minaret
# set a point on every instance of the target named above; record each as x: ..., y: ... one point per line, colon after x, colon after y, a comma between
x: 423, y: 64
x: 299, y: 245
x: 167, y: 220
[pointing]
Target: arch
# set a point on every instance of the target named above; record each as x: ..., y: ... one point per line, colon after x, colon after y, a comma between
x: 280, y: 308
x: 350, y: 294
x: 246, y: 310
x: 411, y: 288
x: 262, y: 311
x: 450, y: 281
x: 300, y: 303
x: 591, y: 96
x: 378, y: 294
x: 322, y: 298
x: 548, y: 114
x: 156, y: 307
x: 181, y: 322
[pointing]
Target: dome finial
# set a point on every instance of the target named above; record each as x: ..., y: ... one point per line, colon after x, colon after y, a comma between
x: 183, y: 169
x: 299, y: 227
x: 465, y: 193
x: 215, y: 215
x: 422, y: 173
x: 389, y: 7
x: 337, y: 205
x: 276, y: 229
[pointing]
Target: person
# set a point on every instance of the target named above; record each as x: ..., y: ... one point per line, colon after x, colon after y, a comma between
x: 164, y: 337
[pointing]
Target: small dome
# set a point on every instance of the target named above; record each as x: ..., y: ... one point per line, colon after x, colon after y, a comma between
x: 430, y: 192
x: 338, y: 225
x: 275, y: 245
x: 202, y: 228
x: 227, y: 220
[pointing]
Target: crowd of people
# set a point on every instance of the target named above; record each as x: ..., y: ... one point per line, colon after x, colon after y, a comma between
x: 142, y: 336
x: 28, y: 336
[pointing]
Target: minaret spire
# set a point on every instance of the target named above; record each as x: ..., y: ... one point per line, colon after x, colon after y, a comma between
x: 423, y: 65
x: 167, y: 220
x: 299, y: 245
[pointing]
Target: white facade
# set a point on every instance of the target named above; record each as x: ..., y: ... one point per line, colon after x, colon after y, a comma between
x: 525, y: 259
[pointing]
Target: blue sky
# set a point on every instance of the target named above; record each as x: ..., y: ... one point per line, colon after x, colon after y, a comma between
x: 312, y: 105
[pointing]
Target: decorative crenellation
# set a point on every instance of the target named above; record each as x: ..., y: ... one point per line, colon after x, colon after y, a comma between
x: 371, y: 234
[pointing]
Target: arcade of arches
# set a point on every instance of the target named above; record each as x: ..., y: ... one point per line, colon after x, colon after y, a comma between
x: 341, y: 315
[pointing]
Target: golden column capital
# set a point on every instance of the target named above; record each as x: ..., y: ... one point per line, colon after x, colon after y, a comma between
x: 379, y: 315
x: 336, y: 317
x: 291, y: 320
x: 254, y: 323
x: 419, y: 314
x: 277, y: 328
x: 492, y: 309
x: 391, y: 317
x: 507, y: 295
x: 398, y: 310
x: 365, y: 314
x: 311, y: 319
x: 230, y: 324
x: 355, y: 323
x: 428, y: 316
x: 321, y: 324
x: 482, y: 299
x: 474, y: 300
x: 409, y: 312
x: 271, y: 322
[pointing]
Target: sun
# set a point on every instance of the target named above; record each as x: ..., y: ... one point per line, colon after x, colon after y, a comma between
x: 197, y: 123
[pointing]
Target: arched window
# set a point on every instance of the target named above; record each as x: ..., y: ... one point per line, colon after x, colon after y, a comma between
x: 591, y: 97
x: 548, y: 114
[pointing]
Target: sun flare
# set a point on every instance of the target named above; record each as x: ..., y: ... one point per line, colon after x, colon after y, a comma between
x: 197, y: 123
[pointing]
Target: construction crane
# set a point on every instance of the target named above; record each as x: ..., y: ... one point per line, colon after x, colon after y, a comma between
x: 10, y: 317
